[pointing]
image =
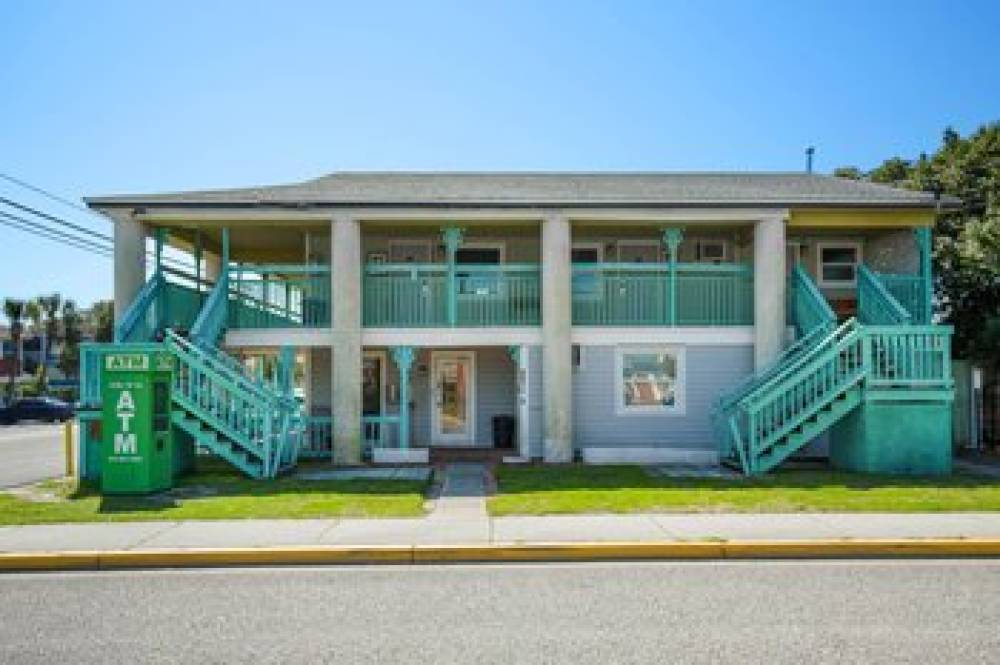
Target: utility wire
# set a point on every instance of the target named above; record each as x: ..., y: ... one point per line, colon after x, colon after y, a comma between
x: 54, y: 197
x: 21, y: 224
x: 57, y: 220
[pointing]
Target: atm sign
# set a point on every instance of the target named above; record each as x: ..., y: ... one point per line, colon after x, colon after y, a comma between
x: 125, y: 362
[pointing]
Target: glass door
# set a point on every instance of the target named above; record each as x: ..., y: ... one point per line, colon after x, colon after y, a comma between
x: 454, y: 398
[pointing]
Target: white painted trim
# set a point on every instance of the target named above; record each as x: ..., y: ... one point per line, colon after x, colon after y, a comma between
x: 680, y: 386
x: 450, y: 337
x: 688, y: 336
x: 437, y: 438
x: 279, y: 337
x: 523, y: 402
x: 644, y: 242
x: 648, y: 455
x: 699, y: 242
x: 837, y: 244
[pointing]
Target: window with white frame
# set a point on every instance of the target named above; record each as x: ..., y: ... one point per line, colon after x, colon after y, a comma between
x: 712, y: 251
x: 649, y: 380
x: 410, y: 251
x: 838, y: 263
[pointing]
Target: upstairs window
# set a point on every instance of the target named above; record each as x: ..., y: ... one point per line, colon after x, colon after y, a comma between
x: 838, y: 264
x: 712, y: 251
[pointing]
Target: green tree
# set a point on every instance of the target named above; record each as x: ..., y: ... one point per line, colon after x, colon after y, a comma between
x: 13, y: 309
x: 32, y: 312
x: 848, y: 172
x: 69, y: 358
x: 967, y: 239
x: 102, y: 316
x: 50, y: 305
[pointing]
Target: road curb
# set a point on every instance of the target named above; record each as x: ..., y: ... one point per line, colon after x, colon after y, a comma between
x: 522, y: 552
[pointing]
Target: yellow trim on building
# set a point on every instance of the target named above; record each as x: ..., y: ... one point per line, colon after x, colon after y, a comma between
x: 860, y: 218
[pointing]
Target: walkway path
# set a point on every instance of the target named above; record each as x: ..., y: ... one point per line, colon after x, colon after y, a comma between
x: 459, y: 519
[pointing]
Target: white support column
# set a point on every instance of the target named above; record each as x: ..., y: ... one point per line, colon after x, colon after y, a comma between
x: 130, y: 260
x: 768, y: 289
x: 557, y: 325
x: 345, y: 285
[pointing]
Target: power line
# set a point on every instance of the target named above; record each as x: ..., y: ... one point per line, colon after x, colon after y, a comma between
x: 54, y: 197
x: 27, y: 227
x: 57, y: 220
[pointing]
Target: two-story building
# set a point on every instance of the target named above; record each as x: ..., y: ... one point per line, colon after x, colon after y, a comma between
x: 609, y: 317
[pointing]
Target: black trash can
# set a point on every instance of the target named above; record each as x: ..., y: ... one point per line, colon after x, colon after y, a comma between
x: 504, y: 427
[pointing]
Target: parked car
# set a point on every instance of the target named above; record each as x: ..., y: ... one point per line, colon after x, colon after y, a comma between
x: 48, y: 409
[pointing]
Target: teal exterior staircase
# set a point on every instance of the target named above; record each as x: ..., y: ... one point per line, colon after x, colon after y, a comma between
x: 827, y: 373
x: 255, y: 426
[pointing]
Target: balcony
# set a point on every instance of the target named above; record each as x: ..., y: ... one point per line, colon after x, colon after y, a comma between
x: 279, y: 296
x: 466, y: 295
x: 661, y: 294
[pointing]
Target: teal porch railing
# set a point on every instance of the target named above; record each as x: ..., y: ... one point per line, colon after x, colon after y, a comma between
x: 279, y: 296
x: 910, y: 291
x: 169, y: 299
x: 376, y: 431
x: 809, y: 309
x: 422, y: 295
x: 654, y: 294
x: 876, y: 305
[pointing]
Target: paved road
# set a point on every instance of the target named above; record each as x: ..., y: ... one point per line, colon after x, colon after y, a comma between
x: 30, y: 452
x: 767, y: 612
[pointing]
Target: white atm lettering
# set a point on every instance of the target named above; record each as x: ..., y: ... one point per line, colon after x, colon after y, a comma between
x: 125, y: 441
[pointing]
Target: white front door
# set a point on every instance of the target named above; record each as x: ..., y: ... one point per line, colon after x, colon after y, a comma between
x: 453, y: 386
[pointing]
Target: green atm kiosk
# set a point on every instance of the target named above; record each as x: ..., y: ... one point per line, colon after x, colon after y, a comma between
x: 137, y: 446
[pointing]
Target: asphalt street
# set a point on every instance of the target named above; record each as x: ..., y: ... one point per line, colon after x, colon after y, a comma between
x: 30, y: 452
x: 694, y: 612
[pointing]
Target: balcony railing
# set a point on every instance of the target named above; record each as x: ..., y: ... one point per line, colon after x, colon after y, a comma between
x: 279, y: 296
x: 657, y: 294
x: 910, y: 291
x: 430, y: 295
x: 376, y: 431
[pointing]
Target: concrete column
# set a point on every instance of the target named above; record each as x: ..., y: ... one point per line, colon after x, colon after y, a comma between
x: 557, y: 371
x: 213, y: 266
x: 345, y: 285
x: 130, y: 261
x: 768, y: 290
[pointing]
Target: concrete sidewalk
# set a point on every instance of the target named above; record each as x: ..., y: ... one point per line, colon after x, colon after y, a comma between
x: 481, y: 530
x: 460, y: 524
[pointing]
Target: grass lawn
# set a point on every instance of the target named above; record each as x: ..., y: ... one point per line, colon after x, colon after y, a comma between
x: 218, y: 493
x: 539, y: 490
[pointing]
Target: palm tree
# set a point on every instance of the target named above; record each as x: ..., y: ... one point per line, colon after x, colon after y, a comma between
x: 50, y: 305
x: 32, y: 312
x: 13, y: 309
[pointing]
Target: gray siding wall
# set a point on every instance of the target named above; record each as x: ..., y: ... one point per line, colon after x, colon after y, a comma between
x: 710, y: 370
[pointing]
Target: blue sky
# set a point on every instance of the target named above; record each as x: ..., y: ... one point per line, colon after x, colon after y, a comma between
x: 112, y: 97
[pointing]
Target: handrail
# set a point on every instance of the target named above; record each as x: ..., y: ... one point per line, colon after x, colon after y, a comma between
x: 909, y: 292
x: 139, y: 308
x: 212, y: 318
x: 845, y: 329
x: 809, y: 308
x: 875, y: 303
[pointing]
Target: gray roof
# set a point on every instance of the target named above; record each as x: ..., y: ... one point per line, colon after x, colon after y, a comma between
x: 546, y: 189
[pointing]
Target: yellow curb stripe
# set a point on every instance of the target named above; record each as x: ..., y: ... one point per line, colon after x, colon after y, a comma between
x: 538, y: 552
